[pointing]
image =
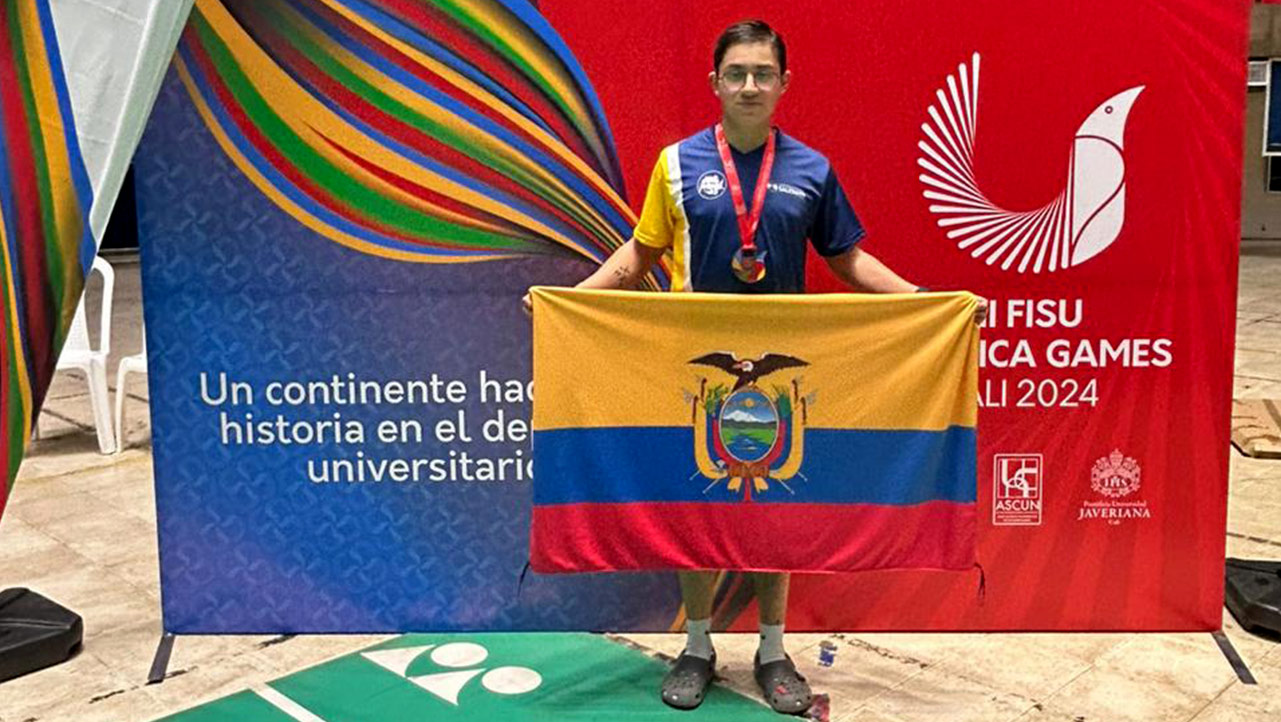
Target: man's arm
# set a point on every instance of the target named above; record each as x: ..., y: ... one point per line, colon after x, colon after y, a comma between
x: 625, y: 268
x: 864, y: 272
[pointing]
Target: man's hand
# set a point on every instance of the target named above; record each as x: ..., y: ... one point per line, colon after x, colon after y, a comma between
x: 980, y: 312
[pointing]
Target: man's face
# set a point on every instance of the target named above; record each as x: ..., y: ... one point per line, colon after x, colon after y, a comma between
x: 749, y: 83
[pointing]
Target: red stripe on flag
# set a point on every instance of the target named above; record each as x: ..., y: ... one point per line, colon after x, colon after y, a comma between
x: 752, y: 537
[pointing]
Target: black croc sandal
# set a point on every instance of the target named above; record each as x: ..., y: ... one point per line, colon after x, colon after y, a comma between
x: 784, y: 688
x: 686, y: 684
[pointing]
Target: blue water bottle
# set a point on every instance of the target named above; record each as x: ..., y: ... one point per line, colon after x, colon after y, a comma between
x: 826, y: 653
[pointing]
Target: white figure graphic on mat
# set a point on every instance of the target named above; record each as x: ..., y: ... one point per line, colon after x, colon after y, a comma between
x: 1081, y: 222
x: 455, y: 655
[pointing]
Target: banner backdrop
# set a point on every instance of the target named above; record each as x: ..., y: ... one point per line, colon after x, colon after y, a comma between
x: 342, y: 201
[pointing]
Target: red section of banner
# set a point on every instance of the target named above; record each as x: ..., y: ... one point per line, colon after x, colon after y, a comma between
x: 1114, y: 372
x: 820, y: 537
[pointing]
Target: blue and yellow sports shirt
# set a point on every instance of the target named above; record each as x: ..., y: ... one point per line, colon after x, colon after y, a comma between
x: 688, y: 207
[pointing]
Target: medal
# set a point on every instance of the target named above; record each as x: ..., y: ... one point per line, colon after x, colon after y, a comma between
x: 748, y: 266
x: 748, y: 263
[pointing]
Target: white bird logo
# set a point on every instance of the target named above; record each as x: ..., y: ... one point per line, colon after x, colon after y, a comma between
x: 1077, y: 225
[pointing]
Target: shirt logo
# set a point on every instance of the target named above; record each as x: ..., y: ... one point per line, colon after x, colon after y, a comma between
x: 1085, y: 218
x: 787, y: 189
x: 711, y: 185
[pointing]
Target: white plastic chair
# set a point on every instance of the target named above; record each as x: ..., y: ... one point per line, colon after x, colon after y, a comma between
x: 77, y: 353
x: 129, y: 364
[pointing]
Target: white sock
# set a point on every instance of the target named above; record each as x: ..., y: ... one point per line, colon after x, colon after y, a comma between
x: 772, y: 643
x: 698, y: 638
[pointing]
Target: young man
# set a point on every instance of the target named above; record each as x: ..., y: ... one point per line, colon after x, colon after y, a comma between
x: 735, y: 203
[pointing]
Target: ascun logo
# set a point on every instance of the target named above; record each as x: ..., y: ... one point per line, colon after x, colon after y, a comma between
x: 1085, y: 218
x: 1017, y: 498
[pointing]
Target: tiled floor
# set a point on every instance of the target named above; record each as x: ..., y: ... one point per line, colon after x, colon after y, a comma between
x: 81, y: 529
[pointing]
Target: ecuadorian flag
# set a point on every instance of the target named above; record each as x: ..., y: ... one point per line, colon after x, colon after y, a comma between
x: 768, y: 433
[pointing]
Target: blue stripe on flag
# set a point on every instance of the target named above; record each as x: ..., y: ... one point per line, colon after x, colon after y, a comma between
x: 841, y: 466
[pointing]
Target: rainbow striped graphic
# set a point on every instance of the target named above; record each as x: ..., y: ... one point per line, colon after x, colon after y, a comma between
x: 418, y: 130
x: 46, y: 246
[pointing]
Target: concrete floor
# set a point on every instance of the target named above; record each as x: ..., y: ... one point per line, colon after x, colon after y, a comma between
x: 80, y: 528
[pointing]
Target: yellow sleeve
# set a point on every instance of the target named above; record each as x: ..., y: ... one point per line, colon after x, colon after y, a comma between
x: 656, y: 227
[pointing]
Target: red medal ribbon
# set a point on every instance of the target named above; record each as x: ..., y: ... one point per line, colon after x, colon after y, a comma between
x: 746, y: 225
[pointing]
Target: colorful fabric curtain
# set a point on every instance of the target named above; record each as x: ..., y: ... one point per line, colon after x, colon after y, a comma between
x: 44, y: 206
x: 768, y: 433
x: 64, y: 149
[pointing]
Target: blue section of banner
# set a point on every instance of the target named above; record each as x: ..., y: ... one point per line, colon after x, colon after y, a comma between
x: 249, y: 541
x: 636, y: 464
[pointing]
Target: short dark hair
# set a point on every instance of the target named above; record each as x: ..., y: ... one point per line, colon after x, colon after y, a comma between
x: 746, y: 32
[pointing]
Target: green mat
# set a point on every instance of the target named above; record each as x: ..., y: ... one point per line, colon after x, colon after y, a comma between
x: 502, y: 677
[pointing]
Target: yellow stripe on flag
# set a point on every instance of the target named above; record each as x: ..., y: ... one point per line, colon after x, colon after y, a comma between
x: 889, y: 361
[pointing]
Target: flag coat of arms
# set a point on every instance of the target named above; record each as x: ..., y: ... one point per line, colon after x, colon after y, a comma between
x: 767, y: 433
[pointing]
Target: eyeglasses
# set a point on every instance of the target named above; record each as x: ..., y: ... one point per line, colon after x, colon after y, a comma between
x: 735, y: 78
